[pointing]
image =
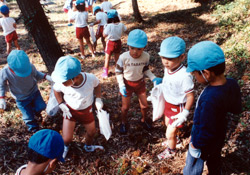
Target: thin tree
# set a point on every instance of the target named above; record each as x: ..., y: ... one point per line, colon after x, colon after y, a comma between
x: 137, y: 13
x: 37, y: 24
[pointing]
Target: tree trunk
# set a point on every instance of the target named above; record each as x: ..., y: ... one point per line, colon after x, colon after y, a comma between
x: 37, y: 24
x: 137, y: 13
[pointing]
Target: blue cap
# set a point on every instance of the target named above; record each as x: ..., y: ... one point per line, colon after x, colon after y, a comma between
x: 4, y: 9
x: 204, y: 55
x: 80, y: 2
x: 137, y: 38
x: 67, y: 67
x: 96, y: 8
x: 112, y: 13
x: 48, y: 143
x: 19, y: 62
x: 172, y: 47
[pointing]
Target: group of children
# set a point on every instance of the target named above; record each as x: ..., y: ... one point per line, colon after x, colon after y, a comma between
x: 76, y: 91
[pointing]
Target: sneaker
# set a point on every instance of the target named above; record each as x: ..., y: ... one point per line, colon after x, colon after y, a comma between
x: 92, y: 148
x: 146, y: 125
x: 178, y: 143
x: 123, y: 129
x: 65, y: 152
x: 105, y: 73
x: 70, y: 24
x: 83, y: 57
x: 167, y: 154
x: 93, y: 55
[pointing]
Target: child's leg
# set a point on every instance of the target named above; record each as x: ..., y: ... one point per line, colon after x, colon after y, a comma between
x: 81, y: 46
x: 171, y: 136
x: 107, y: 58
x: 90, y: 45
x: 68, y: 131
x: 193, y: 165
x: 8, y: 48
x: 90, y: 132
x: 144, y: 105
x: 125, y: 108
x: 103, y: 43
x: 17, y: 45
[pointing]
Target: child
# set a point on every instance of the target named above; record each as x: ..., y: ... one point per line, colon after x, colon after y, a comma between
x: 45, y: 148
x: 113, y: 31
x: 177, y: 87
x: 21, y: 77
x: 89, y: 5
x: 74, y: 91
x: 206, y: 62
x: 81, y: 23
x: 9, y: 28
x: 106, y: 6
x: 130, y: 70
x: 101, y: 20
x: 68, y: 8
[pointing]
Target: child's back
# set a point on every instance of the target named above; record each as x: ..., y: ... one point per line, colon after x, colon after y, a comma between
x: 106, y: 6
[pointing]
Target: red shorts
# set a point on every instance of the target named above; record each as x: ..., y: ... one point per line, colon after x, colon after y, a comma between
x: 171, y: 110
x: 82, y: 32
x: 65, y: 10
x: 113, y: 47
x: 99, y: 32
x: 84, y: 116
x: 138, y: 87
x: 11, y: 37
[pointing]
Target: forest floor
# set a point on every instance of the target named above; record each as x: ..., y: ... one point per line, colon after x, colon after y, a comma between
x: 136, y: 152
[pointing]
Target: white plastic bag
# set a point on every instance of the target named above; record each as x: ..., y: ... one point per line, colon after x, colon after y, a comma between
x: 52, y: 106
x: 158, y: 102
x: 104, y: 124
x: 92, y: 34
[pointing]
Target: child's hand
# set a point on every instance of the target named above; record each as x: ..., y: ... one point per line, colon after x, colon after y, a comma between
x: 2, y: 103
x: 65, y: 110
x: 181, y: 117
x: 47, y: 77
x: 123, y: 91
x: 98, y: 103
x: 157, y: 80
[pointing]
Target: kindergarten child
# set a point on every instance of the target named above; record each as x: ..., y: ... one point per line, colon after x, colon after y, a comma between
x: 74, y: 91
x: 81, y: 23
x: 130, y: 70
x: 21, y: 77
x: 101, y: 20
x: 45, y: 148
x: 106, y: 6
x: 206, y: 61
x: 177, y: 87
x: 113, y: 31
x: 9, y: 28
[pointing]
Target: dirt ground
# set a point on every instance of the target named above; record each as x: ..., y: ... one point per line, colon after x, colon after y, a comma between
x: 136, y: 152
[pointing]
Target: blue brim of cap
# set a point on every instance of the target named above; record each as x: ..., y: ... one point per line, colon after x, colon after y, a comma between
x: 61, y: 159
x: 189, y: 69
x: 168, y: 55
x: 57, y: 78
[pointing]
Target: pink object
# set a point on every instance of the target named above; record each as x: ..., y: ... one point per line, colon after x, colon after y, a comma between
x: 105, y: 73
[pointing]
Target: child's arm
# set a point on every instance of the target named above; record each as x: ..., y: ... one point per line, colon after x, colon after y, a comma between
x: 62, y: 105
x: 152, y: 77
x: 14, y: 25
x: 98, y: 100
x: 2, y: 91
x: 182, y: 116
x: 119, y: 77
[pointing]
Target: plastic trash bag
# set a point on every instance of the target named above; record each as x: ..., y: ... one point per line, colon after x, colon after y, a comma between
x: 158, y: 102
x: 92, y: 34
x: 104, y: 124
x: 52, y: 106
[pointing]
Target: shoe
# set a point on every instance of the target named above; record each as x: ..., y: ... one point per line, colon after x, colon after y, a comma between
x: 65, y: 152
x: 123, y: 129
x: 167, y: 154
x: 146, y: 125
x: 93, y: 55
x: 178, y: 143
x: 105, y: 73
x: 92, y: 148
x: 83, y: 57
x: 70, y: 24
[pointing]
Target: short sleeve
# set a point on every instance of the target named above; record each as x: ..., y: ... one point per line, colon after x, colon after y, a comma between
x: 188, y: 84
x: 106, y: 30
x: 57, y: 87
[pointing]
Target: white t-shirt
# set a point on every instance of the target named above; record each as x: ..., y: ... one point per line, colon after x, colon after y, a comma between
x: 114, y: 31
x: 7, y: 25
x: 2, y: 3
x: 81, y: 18
x: 133, y: 69
x: 176, y: 85
x: 18, y: 171
x: 106, y: 6
x: 80, y: 97
x: 103, y: 17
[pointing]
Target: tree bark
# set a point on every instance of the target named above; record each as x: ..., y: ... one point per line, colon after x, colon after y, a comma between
x: 137, y: 13
x: 37, y: 24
